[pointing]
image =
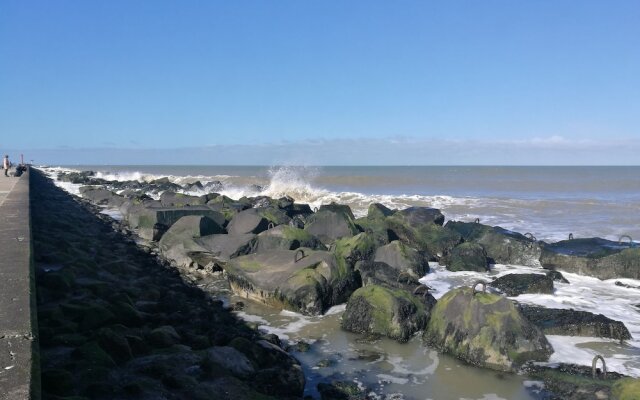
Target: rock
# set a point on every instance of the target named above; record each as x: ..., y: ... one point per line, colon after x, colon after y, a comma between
x: 57, y: 382
x: 390, y: 312
x: 279, y: 374
x: 573, y: 382
x: 230, y: 359
x: 284, y: 237
x: 517, y: 284
x: 219, y: 249
x: 101, y: 196
x: 173, y: 199
x: 564, y: 322
x: 557, y: 276
x: 379, y: 211
x: 297, y: 210
x: 501, y: 245
x: 467, y: 256
x: 330, y: 224
x: 304, y: 284
x: 341, y: 390
x: 94, y: 355
x: 421, y: 227
x: 177, y: 243
x: 115, y: 344
x: 248, y: 221
x: 301, y: 347
x: 348, y: 252
x: 484, y: 329
x: 626, y: 389
x: 403, y: 258
x: 600, y: 258
x: 382, y: 274
x: 164, y: 336
x: 145, y: 218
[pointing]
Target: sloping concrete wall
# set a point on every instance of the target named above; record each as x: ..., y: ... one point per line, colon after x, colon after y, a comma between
x: 19, y: 366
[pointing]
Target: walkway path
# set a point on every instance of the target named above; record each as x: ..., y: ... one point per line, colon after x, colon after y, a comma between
x: 19, y: 376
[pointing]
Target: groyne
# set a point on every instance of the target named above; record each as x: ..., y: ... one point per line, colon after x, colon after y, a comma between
x: 19, y: 359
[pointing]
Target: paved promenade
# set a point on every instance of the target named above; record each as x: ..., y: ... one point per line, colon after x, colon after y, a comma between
x: 19, y: 375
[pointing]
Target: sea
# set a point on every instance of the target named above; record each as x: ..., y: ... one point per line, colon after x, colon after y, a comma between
x: 550, y: 202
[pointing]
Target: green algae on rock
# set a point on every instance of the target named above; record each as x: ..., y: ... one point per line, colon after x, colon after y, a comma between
x: 467, y: 256
x: 484, y: 329
x: 388, y: 312
x: 603, y: 259
x: 404, y: 258
x: 303, y: 280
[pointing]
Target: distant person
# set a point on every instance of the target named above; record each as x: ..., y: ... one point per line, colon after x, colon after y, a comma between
x: 6, y: 164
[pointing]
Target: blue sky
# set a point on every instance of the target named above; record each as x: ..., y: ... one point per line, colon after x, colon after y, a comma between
x: 324, y: 82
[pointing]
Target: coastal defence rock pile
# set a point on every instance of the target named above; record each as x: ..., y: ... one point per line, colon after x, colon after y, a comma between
x: 285, y: 255
x: 116, y: 322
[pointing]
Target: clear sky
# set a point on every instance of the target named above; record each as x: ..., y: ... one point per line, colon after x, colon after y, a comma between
x: 321, y: 82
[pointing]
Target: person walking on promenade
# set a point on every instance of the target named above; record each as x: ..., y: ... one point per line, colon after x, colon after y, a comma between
x: 5, y: 165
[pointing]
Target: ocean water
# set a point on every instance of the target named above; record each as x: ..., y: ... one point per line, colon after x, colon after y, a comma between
x: 549, y: 202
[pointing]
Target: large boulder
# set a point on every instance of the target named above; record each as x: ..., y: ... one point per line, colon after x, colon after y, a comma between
x: 517, y: 284
x: 178, y: 242
x: 101, y: 196
x: 348, y: 252
x: 331, y: 223
x: 486, y: 330
x: 467, y: 256
x: 256, y: 220
x: 403, y: 258
x: 300, y: 280
x: 555, y: 321
x: 173, y: 199
x: 604, y: 259
x: 382, y: 274
x: 421, y: 227
x: 502, y: 246
x: 247, y: 221
x: 219, y: 249
x: 148, y: 220
x: 394, y: 313
x: 285, y: 237
x: 375, y: 223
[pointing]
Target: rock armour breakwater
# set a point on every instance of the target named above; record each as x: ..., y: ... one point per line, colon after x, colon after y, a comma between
x: 116, y: 322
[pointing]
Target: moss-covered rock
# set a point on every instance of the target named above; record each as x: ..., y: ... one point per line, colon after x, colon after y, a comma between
x: 421, y: 227
x: 603, y: 259
x: 388, y: 312
x: 286, y: 279
x: 331, y: 223
x: 517, y: 284
x: 341, y: 390
x: 626, y: 389
x: 382, y: 274
x: 404, y: 258
x: 554, y: 321
x: 467, y: 256
x: 173, y: 199
x: 484, y: 329
x: 179, y: 240
x: 284, y: 237
x: 502, y: 246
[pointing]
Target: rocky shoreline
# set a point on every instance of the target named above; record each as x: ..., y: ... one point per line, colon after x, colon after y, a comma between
x: 117, y: 322
x: 288, y: 256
